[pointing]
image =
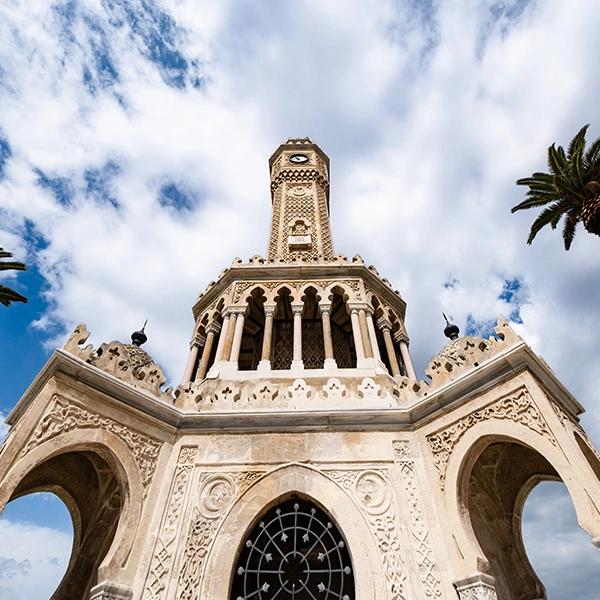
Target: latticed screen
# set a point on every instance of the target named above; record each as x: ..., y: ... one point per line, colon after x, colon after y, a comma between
x: 294, y: 552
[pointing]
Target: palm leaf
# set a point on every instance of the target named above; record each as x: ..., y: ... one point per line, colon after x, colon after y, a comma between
x: 569, y: 229
x: 12, y: 265
x: 546, y: 217
x: 7, y: 296
x: 575, y: 153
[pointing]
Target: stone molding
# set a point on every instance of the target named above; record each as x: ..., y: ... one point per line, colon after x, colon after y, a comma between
x: 517, y: 406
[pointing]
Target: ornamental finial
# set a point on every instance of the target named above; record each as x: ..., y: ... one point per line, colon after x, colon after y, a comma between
x: 139, y: 337
x: 451, y: 330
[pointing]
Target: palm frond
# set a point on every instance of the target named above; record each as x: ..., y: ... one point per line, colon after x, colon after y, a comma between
x: 569, y: 229
x: 546, y: 217
x: 12, y: 265
x: 534, y: 202
x: 7, y: 296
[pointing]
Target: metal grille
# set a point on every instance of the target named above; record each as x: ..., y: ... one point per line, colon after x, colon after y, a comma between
x: 283, y: 349
x: 295, y: 552
x: 313, y: 353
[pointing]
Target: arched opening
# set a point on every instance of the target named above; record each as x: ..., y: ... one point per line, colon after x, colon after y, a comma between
x: 282, y: 350
x: 501, y: 479
x: 313, y: 352
x: 87, y: 484
x: 37, y: 541
x: 254, y: 328
x: 559, y: 550
x: 294, y: 551
x: 344, y: 351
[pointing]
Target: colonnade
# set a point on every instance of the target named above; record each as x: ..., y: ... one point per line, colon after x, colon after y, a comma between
x: 364, y: 335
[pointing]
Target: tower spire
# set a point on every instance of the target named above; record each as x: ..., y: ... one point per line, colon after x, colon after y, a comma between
x: 300, y: 225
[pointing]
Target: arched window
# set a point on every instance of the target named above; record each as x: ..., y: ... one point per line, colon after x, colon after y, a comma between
x: 294, y: 551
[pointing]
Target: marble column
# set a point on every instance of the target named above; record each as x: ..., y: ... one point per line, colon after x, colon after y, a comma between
x: 386, y: 329
x: 402, y: 338
x: 364, y: 333
x: 237, y: 339
x: 221, y: 343
x: 227, y: 343
x: 297, y: 310
x: 211, y: 331
x: 193, y: 359
x: 373, y: 336
x: 265, y: 357
x: 358, y: 343
x: 325, y: 310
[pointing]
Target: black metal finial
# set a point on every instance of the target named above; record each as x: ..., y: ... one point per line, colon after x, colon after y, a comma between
x: 139, y: 337
x: 451, y: 330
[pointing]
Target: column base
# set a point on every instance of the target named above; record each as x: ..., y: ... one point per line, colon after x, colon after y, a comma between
x: 366, y: 363
x: 297, y: 365
x: 330, y: 363
x: 476, y: 587
x: 110, y: 591
x: 264, y: 365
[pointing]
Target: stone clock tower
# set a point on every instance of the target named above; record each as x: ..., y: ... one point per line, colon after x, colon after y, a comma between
x: 301, y: 457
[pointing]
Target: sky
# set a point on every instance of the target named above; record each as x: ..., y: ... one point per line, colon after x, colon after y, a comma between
x: 134, y: 139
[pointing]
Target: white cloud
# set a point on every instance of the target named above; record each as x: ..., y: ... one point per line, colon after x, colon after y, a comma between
x: 34, y: 562
x: 429, y: 112
x: 4, y: 428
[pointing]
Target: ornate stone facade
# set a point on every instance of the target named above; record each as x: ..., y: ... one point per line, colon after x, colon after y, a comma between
x: 300, y: 392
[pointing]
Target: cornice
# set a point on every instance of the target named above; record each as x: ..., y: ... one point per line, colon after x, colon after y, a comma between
x: 501, y: 367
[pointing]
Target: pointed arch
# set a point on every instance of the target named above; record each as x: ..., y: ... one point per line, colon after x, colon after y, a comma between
x: 280, y: 484
x: 490, y: 473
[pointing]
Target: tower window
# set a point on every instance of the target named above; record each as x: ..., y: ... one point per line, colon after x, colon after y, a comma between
x: 294, y: 551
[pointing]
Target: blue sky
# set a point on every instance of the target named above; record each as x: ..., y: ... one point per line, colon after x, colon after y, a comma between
x: 134, y: 138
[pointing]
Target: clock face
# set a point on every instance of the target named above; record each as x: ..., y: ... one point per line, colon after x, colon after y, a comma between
x: 298, y: 158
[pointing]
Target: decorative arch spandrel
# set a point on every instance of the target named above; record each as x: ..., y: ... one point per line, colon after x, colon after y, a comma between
x: 316, y: 487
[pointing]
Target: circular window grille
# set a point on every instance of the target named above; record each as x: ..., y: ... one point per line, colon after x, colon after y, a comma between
x: 295, y: 551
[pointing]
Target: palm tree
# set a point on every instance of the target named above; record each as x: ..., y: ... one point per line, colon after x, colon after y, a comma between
x: 571, y: 189
x: 6, y: 294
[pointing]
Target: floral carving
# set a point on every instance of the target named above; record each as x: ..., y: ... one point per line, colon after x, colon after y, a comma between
x: 218, y: 492
x: 372, y: 491
x: 164, y: 549
x: 428, y: 571
x: 517, y: 406
x: 63, y: 416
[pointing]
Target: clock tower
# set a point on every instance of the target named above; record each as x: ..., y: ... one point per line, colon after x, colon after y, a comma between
x: 301, y: 456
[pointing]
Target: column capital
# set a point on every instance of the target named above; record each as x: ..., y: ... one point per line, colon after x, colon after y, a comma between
x: 384, y: 324
x: 400, y: 335
x: 269, y: 309
x: 228, y: 311
x: 297, y: 309
x: 197, y: 341
x: 324, y: 307
x: 358, y: 306
x: 213, y: 327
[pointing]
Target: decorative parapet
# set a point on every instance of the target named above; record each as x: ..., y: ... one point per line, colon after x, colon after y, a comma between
x: 293, y: 393
x: 469, y: 352
x: 125, y: 361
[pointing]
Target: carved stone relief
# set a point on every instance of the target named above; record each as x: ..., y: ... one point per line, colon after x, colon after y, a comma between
x: 217, y: 493
x: 127, y: 362
x: 62, y: 416
x: 164, y: 550
x: 517, y: 406
x: 428, y: 570
x: 372, y: 492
